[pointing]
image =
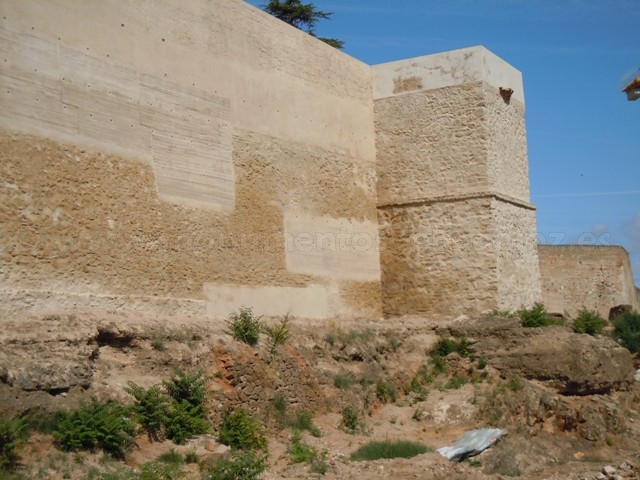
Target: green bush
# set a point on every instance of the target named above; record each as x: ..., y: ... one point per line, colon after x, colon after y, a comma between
x: 185, y: 421
x: 455, y: 383
x: 244, y: 326
x: 536, y: 316
x: 626, y: 330
x: 445, y: 346
x: 244, y: 465
x: 350, y: 420
x: 342, y: 382
x: 385, y: 391
x: 300, y: 452
x: 190, y: 388
x: 12, y: 435
x: 304, y: 421
x: 589, y: 322
x: 241, y: 431
x: 388, y: 449
x: 150, y: 409
x: 277, y: 335
x: 99, y: 425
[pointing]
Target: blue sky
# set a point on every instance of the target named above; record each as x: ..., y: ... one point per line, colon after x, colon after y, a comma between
x: 583, y: 135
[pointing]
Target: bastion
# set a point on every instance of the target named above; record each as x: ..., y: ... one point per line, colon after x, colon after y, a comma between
x: 190, y: 157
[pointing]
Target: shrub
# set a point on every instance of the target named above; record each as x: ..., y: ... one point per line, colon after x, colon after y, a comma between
x: 589, y: 322
x: 300, y: 452
x: 171, y: 457
x: 455, y: 383
x: 12, y: 435
x: 244, y: 326
x: 342, y: 382
x: 277, y: 335
x: 149, y: 409
x: 445, y: 346
x: 241, y: 431
x: 103, y: 425
x: 244, y: 465
x: 385, y: 391
x: 350, y: 421
x: 304, y: 421
x: 186, y: 415
x: 536, y: 316
x: 626, y: 330
x: 388, y: 449
x: 160, y: 470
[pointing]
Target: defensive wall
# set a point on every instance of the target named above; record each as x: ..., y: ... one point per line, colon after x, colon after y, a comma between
x: 596, y: 277
x: 188, y: 157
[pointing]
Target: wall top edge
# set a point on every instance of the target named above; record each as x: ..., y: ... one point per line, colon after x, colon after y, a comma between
x: 456, y: 67
x: 459, y: 198
x: 613, y: 249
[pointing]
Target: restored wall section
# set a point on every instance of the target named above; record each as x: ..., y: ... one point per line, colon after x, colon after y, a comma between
x: 452, y: 169
x: 165, y: 155
x: 581, y: 276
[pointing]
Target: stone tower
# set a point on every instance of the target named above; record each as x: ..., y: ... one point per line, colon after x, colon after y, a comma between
x: 457, y: 227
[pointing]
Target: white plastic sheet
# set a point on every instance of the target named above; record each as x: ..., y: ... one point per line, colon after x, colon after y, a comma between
x: 472, y: 443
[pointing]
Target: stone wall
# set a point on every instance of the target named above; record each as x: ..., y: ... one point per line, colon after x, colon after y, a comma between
x: 586, y: 276
x: 166, y: 156
x: 457, y: 227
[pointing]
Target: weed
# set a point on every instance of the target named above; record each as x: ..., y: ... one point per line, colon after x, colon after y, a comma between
x: 277, y: 335
x: 502, y: 313
x: 388, y: 449
x: 589, y: 322
x: 627, y: 330
x: 280, y: 404
x: 191, y: 457
x: 304, y: 421
x: 394, y: 342
x: 300, y: 452
x: 474, y: 463
x: 385, y: 391
x: 244, y: 465
x: 455, y: 383
x: 482, y: 363
x: 319, y: 464
x: 515, y: 383
x: 244, y: 326
x: 342, y: 382
x: 12, y: 435
x: 171, y: 457
x: 157, y: 343
x: 418, y: 414
x: 350, y: 420
x: 241, y: 431
x: 159, y: 471
x: 445, y: 346
x: 186, y: 415
x: 437, y: 364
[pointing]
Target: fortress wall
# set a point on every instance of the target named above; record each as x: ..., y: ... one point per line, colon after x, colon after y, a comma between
x: 586, y: 276
x: 164, y: 154
x: 452, y: 167
x: 427, y: 252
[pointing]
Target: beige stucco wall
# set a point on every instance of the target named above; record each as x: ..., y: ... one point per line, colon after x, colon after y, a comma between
x: 167, y: 155
x: 452, y: 168
x: 595, y: 277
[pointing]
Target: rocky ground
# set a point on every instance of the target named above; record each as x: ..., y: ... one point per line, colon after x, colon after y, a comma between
x: 569, y: 402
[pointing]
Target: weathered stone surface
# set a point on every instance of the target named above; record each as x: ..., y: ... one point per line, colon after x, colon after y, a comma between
x: 572, y: 364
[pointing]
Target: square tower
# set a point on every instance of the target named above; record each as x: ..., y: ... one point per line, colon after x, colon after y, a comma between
x: 458, y: 232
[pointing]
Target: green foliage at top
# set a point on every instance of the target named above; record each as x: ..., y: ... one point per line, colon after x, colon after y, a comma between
x: 244, y: 326
x: 385, y: 391
x: 277, y: 335
x: 589, y: 322
x: 303, y: 16
x: 300, y: 452
x: 626, y: 330
x: 445, y: 346
x: 12, y: 435
x: 536, y: 316
x: 241, y: 431
x: 99, y: 425
x: 388, y: 449
x: 150, y: 409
